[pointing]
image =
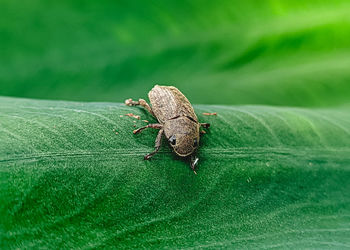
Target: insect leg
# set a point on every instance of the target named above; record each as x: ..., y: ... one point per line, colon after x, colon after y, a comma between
x: 157, y: 144
x: 205, y: 125
x: 140, y: 102
x: 154, y: 125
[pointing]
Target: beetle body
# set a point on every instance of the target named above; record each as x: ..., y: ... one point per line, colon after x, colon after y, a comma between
x: 177, y: 121
x: 176, y: 114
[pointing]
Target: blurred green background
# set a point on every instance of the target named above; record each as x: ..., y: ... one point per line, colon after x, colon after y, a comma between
x: 292, y: 53
x: 72, y: 174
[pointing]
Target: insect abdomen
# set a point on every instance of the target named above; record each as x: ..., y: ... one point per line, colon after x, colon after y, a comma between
x: 168, y: 102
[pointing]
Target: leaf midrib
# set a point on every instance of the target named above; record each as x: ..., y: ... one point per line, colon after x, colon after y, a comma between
x: 228, y: 152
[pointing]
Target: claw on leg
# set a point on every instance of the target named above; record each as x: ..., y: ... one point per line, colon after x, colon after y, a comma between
x: 148, y: 156
x: 205, y: 125
x: 141, y: 102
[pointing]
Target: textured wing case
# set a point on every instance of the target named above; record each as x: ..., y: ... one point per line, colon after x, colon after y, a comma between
x: 168, y: 102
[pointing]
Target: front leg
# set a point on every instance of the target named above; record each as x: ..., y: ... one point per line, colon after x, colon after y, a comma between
x: 140, y: 102
x: 155, y: 125
x: 157, y: 145
x: 204, y: 125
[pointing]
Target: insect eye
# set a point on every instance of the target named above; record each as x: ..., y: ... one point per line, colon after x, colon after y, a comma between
x: 172, y: 140
x: 195, y: 143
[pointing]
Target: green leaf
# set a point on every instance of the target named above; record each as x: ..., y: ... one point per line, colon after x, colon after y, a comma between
x: 267, y: 177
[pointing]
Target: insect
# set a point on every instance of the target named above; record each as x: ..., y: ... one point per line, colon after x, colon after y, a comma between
x: 177, y: 121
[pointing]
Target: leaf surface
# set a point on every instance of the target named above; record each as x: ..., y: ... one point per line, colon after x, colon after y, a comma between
x: 267, y: 177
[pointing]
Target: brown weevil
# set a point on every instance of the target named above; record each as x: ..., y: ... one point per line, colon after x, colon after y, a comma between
x: 177, y: 121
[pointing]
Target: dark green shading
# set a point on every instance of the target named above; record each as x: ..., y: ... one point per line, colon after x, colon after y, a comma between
x: 267, y: 177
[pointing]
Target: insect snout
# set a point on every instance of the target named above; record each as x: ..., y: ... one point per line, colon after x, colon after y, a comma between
x: 172, y: 140
x: 183, y: 144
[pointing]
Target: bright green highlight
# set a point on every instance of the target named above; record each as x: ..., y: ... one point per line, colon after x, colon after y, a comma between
x: 290, y: 53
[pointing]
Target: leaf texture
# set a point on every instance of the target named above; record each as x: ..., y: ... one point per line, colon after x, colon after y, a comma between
x: 72, y: 175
